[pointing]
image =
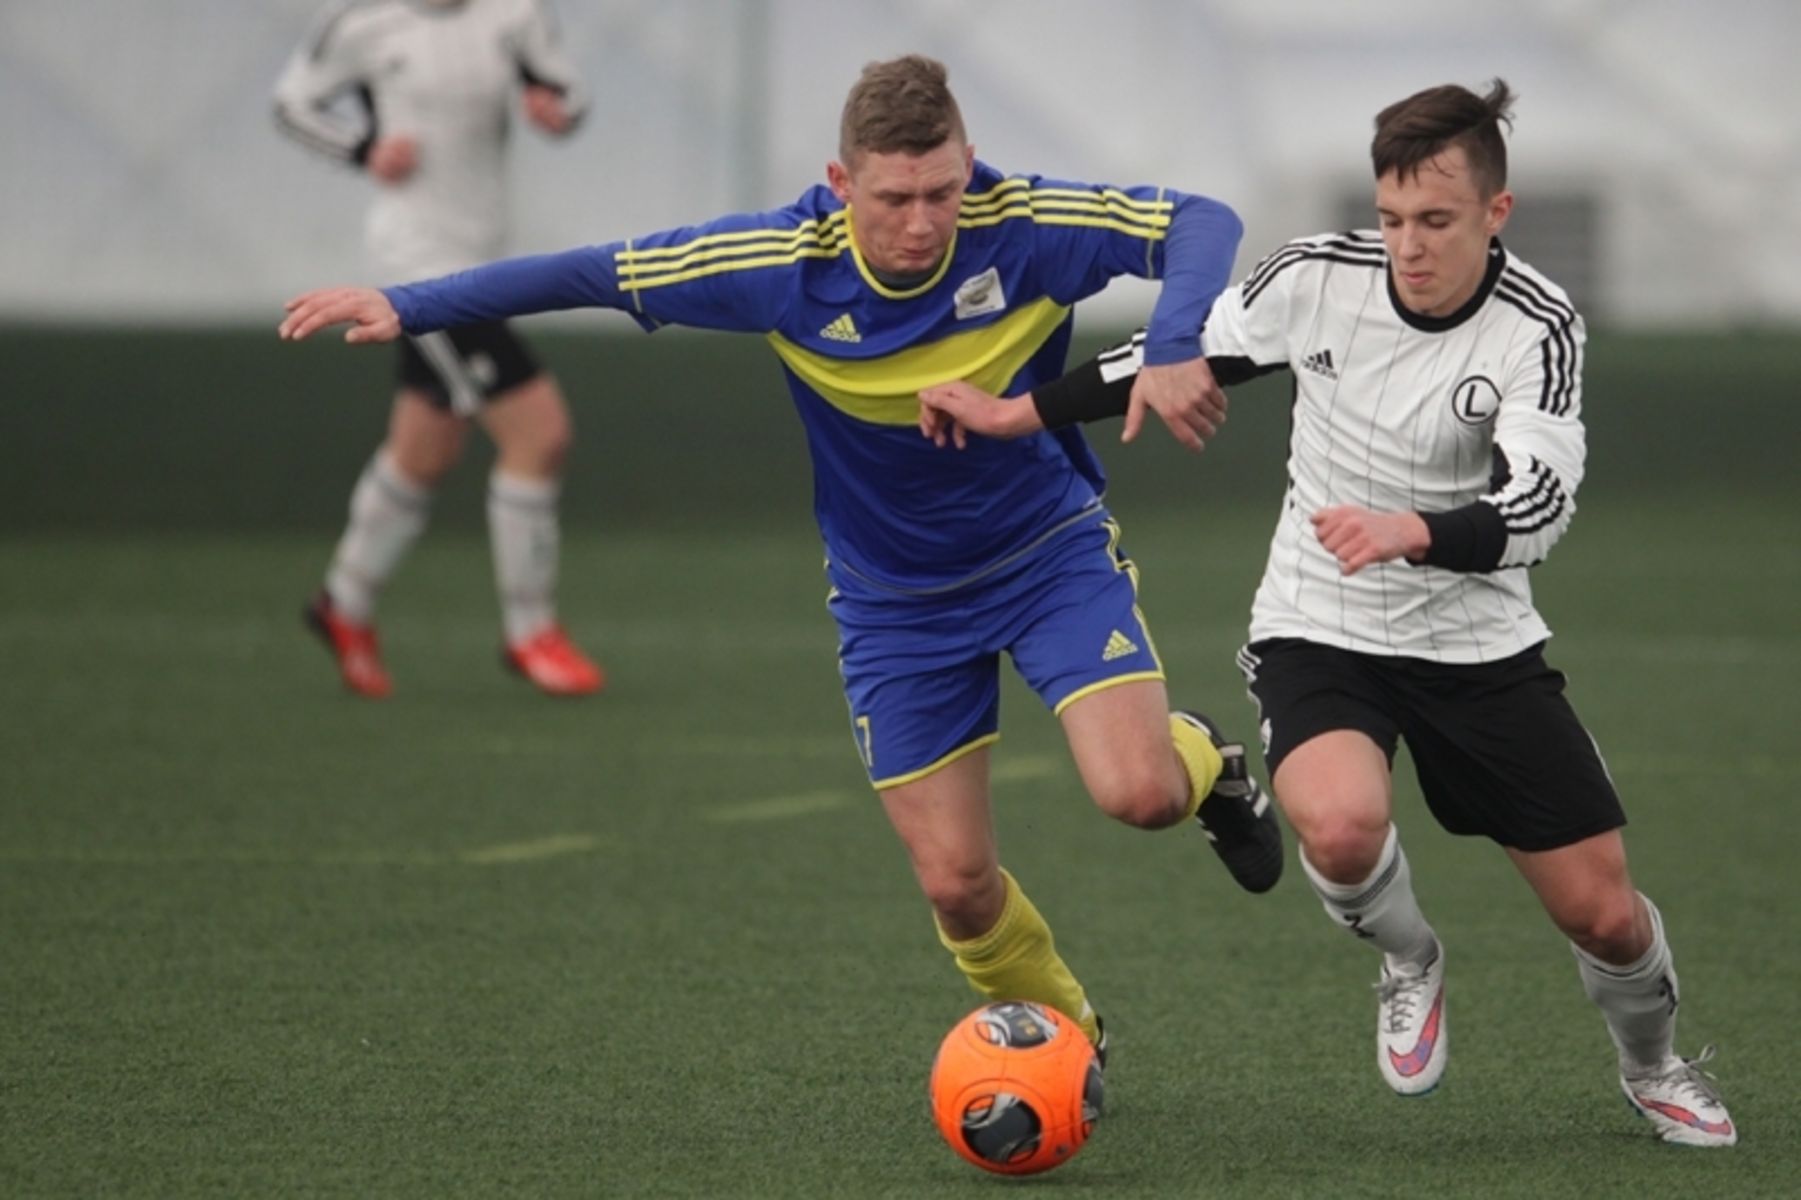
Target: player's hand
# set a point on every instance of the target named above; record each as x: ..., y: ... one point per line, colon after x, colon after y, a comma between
x: 368, y: 313
x: 393, y: 159
x: 1358, y: 537
x: 544, y: 107
x: 1185, y: 395
x: 953, y: 411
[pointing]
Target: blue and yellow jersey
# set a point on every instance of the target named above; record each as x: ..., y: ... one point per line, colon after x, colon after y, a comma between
x: 895, y: 511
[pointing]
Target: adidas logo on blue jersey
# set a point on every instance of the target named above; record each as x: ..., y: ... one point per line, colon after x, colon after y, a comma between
x: 1320, y: 363
x: 842, y: 330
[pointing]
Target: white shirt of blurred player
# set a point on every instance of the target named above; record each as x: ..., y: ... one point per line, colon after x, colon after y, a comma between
x: 447, y: 75
x: 1397, y: 414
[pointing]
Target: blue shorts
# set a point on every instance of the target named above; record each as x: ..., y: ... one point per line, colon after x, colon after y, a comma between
x: 922, y: 673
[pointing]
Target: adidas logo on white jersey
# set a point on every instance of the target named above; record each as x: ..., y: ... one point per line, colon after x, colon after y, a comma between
x: 842, y: 330
x: 1118, y: 646
x: 1320, y: 363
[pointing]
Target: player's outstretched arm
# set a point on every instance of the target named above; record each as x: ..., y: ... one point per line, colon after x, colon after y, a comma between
x: 368, y: 312
x: 953, y: 411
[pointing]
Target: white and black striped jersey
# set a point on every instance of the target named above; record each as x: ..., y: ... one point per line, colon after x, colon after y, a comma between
x: 445, y: 74
x: 1472, y: 419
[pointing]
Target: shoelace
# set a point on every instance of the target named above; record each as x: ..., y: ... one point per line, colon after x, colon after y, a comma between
x: 1697, y: 1082
x: 1401, y: 993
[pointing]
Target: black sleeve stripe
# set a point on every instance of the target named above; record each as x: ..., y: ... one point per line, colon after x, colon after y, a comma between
x: 1537, y: 508
x: 1524, y: 288
x: 365, y: 96
x: 1126, y: 351
x: 1254, y: 289
x: 1229, y: 370
x: 1344, y: 241
x: 1294, y: 251
x: 1527, y: 284
x: 1543, y: 492
x: 1520, y: 512
x: 1550, y: 518
x: 1558, y: 350
x: 306, y: 136
x: 1520, y: 524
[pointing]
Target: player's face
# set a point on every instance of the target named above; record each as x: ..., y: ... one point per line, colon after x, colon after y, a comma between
x: 1437, y: 225
x: 904, y: 206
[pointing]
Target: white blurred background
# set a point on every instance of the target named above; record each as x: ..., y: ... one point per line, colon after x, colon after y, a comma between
x: 1657, y: 153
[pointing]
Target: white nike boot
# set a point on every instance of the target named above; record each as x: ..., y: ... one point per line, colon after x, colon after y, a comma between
x: 1411, y: 1038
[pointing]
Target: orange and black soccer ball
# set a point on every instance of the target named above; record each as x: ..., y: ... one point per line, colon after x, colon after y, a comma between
x: 1016, y: 1088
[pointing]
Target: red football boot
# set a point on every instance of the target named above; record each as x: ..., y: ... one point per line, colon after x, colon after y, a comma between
x: 552, y: 662
x: 353, y: 645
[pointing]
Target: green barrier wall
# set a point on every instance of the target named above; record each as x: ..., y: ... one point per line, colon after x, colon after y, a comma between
x: 120, y: 431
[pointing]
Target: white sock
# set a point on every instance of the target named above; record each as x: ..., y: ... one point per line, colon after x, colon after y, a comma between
x: 388, y: 512
x: 1638, y: 1000
x: 1382, y: 908
x: 526, y: 537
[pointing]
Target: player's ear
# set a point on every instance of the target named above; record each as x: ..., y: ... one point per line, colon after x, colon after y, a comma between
x: 969, y: 163
x: 837, y: 177
x: 1500, y: 207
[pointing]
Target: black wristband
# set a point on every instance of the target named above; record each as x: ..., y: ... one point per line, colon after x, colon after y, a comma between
x: 1470, y: 539
x: 1081, y: 396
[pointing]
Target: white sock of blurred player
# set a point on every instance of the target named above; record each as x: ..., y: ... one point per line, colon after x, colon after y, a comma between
x: 388, y: 512
x: 526, y: 538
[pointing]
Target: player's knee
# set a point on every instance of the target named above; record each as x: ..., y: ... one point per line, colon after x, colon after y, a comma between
x: 967, y: 902
x: 552, y: 441
x: 1144, y: 800
x: 539, y: 452
x: 426, y: 467
x: 1606, y: 925
x: 1343, y: 850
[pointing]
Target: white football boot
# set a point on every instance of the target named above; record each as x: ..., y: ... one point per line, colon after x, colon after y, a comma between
x: 1682, y: 1103
x: 1411, y: 1037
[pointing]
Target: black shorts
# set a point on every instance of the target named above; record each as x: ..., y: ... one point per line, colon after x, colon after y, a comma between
x: 1498, y: 750
x: 463, y: 367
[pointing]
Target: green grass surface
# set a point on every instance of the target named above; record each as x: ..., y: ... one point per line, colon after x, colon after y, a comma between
x: 258, y: 938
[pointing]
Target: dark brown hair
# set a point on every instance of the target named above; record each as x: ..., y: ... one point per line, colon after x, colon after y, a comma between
x: 900, y: 106
x: 1413, y: 131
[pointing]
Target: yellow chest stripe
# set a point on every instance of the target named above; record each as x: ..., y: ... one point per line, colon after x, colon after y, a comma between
x: 885, y: 391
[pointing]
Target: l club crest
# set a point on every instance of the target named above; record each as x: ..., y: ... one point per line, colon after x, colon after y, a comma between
x: 1475, y: 400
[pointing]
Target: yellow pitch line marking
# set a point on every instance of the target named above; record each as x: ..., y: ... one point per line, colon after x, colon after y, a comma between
x: 545, y: 847
x: 777, y: 808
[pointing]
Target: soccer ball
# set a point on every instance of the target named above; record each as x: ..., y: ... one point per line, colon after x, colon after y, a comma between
x: 1016, y: 1088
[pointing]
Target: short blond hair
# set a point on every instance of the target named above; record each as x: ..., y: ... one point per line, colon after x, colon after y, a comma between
x: 903, y: 105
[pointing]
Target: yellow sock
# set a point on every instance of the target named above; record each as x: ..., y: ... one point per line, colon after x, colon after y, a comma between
x: 1200, y: 757
x: 1018, y: 960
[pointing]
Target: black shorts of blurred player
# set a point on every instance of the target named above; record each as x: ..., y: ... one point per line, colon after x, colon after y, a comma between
x: 461, y: 368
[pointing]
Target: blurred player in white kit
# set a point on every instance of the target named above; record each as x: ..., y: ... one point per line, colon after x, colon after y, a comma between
x: 436, y: 81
